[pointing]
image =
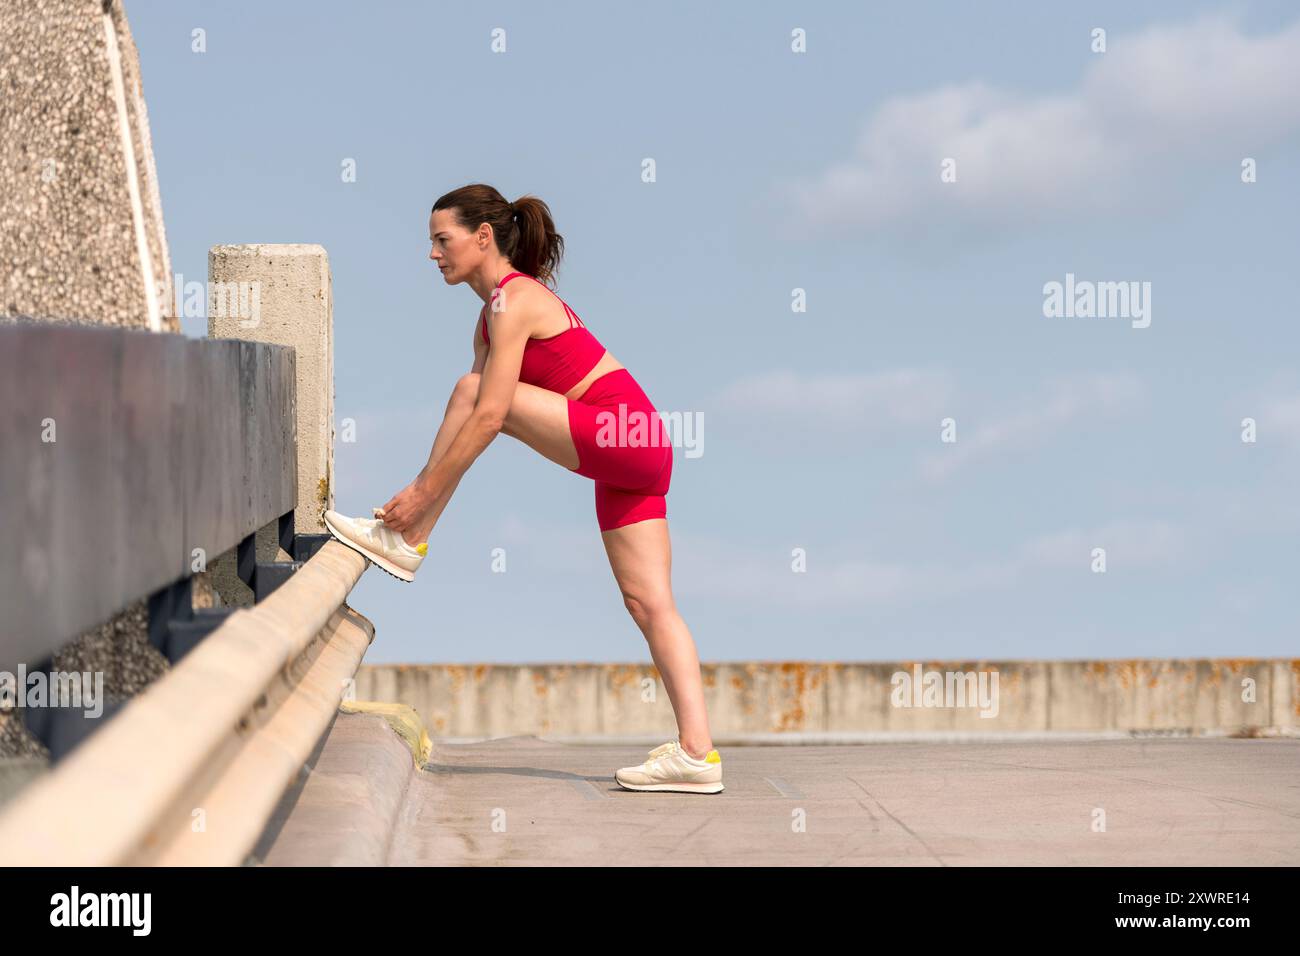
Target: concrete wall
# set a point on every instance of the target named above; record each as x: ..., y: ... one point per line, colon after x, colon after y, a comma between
x: 751, y: 699
x: 82, y: 238
x: 81, y: 224
x: 282, y: 294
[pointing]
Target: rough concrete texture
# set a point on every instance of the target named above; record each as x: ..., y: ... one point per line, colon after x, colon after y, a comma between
x: 748, y: 698
x: 282, y: 294
x: 81, y: 226
x: 81, y: 234
x: 18, y: 772
x: 119, y: 649
x: 526, y: 801
x: 343, y: 810
x: 231, y: 591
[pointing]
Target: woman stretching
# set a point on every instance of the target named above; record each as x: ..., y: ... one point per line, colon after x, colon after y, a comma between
x: 541, y: 377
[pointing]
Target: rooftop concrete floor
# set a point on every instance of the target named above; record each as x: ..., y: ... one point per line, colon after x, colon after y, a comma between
x: 529, y: 802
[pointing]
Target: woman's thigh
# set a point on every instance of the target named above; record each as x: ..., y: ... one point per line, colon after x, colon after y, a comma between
x: 640, y: 556
x: 539, y: 418
x: 626, y: 448
x: 588, y: 439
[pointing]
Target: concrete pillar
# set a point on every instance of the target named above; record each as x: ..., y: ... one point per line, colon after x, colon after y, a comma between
x: 282, y: 294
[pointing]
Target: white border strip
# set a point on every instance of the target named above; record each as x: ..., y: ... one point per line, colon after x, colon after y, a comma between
x: 132, y: 183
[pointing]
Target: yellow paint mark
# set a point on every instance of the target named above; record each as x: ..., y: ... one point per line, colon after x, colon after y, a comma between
x: 403, y: 719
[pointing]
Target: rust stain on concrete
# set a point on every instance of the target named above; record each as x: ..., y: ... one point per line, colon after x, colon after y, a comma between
x: 457, y: 674
x: 1127, y: 673
x: 620, y: 676
x: 795, y: 684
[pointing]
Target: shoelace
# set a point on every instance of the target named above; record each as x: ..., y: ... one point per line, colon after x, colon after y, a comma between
x: 663, y: 750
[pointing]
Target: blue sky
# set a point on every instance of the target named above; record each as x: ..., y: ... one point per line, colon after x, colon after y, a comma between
x: 819, y: 171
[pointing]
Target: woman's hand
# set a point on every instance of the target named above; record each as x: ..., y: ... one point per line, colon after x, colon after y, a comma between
x: 408, y: 506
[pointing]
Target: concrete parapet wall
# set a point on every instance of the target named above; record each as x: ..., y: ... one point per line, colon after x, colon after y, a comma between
x: 281, y: 293
x: 82, y: 237
x: 1196, y: 696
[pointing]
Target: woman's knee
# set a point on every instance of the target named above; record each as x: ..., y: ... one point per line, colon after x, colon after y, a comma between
x: 466, y: 388
x: 648, y: 608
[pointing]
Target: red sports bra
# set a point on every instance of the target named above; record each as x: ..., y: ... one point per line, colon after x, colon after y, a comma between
x: 561, y: 361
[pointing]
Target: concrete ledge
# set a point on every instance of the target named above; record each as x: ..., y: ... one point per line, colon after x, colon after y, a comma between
x: 347, y: 810
x: 769, y: 700
x: 404, y: 721
x: 190, y: 770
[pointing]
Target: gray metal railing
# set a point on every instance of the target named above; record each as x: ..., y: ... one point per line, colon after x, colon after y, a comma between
x: 128, y: 461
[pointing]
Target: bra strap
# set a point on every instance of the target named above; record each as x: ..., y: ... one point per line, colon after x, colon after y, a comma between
x: 573, y: 316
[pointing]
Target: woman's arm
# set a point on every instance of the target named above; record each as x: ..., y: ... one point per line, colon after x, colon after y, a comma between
x: 480, y: 347
x: 480, y: 357
x: 499, y: 366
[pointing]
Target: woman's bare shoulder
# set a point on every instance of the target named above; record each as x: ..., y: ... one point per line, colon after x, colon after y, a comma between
x: 526, y: 305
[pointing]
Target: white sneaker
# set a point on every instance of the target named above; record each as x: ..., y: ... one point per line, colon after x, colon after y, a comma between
x: 669, y: 767
x: 374, y: 540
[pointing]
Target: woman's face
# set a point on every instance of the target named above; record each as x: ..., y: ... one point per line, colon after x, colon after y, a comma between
x: 452, y: 248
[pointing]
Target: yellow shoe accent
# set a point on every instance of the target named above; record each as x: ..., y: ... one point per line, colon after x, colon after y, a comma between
x: 376, y: 542
x: 423, y: 548
x: 670, y: 768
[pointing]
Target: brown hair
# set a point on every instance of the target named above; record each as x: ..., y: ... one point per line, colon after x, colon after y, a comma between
x: 525, y: 233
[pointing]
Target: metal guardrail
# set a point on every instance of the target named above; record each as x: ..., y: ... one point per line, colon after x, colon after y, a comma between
x: 191, y: 769
x: 130, y: 461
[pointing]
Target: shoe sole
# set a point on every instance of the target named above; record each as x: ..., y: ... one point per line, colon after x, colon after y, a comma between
x: 673, y: 787
x: 383, y: 564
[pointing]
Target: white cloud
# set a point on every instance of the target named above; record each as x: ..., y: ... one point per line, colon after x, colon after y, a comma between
x: 1155, y: 104
x: 549, y: 546
x: 716, y: 568
x: 1071, y: 399
x: 839, y: 403
x: 719, y: 569
x: 1273, y: 401
x: 1281, y: 416
x: 1127, y: 543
